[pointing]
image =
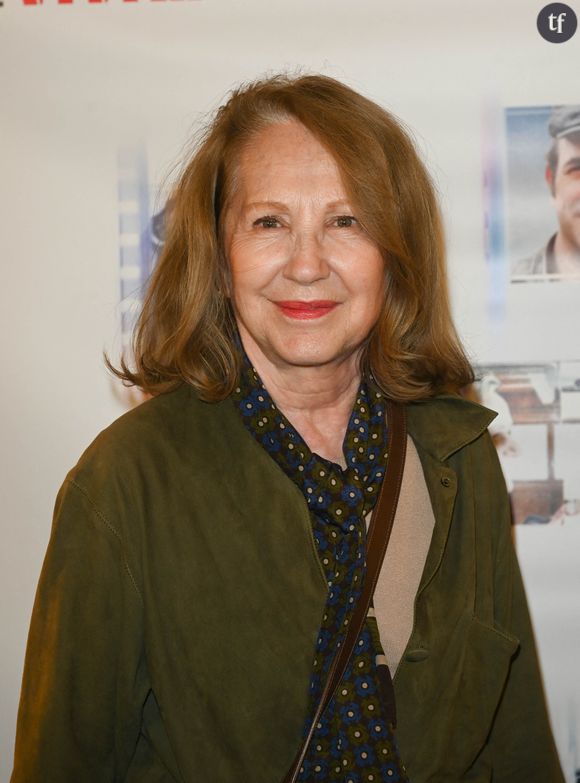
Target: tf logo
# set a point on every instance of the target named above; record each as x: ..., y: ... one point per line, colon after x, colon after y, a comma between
x: 557, y: 23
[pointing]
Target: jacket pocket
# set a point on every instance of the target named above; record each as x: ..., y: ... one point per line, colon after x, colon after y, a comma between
x: 480, y: 683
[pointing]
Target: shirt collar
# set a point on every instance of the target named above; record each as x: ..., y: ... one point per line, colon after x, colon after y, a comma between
x: 444, y: 424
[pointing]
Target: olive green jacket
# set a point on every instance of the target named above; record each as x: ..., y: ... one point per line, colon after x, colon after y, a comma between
x: 181, y: 595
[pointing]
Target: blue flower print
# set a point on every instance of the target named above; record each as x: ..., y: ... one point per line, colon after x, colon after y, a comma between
x: 324, y: 638
x: 390, y: 772
x: 351, y: 495
x: 365, y: 685
x: 270, y: 443
x: 364, y: 755
x: 350, y: 712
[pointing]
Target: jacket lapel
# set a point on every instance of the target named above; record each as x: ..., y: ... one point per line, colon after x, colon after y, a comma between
x: 441, y: 427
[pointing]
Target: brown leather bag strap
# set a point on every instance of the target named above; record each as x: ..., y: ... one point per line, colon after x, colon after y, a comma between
x: 377, y: 540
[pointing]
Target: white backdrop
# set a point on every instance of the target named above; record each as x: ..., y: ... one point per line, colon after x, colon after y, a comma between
x: 78, y: 81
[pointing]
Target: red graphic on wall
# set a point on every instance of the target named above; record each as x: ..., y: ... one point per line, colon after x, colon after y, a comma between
x: 93, y: 2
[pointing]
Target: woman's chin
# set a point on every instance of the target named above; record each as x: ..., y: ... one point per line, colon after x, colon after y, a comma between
x: 310, y: 353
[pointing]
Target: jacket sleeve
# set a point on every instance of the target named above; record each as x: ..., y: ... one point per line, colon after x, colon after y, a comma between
x: 521, y: 741
x: 84, y: 676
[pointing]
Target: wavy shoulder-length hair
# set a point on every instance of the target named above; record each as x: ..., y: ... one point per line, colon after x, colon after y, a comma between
x: 186, y: 331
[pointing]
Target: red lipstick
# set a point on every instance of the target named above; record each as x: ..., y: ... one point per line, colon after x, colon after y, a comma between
x: 315, y: 308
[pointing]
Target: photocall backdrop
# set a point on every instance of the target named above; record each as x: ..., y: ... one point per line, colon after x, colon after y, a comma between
x: 100, y: 101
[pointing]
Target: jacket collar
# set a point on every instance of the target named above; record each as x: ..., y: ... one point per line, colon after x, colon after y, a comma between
x: 443, y: 425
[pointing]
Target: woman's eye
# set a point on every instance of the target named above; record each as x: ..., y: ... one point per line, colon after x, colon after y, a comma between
x: 267, y: 222
x: 346, y: 221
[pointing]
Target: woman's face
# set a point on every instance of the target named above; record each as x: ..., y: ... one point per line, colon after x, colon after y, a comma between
x: 307, y: 281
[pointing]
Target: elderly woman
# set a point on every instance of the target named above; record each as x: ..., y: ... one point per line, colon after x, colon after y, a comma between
x: 209, y: 549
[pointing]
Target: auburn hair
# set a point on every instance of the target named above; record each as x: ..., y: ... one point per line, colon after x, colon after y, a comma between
x: 186, y: 331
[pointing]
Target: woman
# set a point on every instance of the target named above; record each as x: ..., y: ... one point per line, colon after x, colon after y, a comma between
x: 209, y: 546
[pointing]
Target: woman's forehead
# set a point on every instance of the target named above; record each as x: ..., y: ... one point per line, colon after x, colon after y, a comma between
x: 282, y: 142
x: 286, y: 156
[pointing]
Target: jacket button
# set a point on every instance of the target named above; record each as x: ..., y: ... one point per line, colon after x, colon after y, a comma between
x: 414, y: 656
x: 446, y: 481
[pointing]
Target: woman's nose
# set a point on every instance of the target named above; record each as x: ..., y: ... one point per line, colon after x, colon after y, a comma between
x: 307, y: 261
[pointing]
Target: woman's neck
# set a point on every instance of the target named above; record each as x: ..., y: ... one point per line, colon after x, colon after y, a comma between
x: 317, y: 400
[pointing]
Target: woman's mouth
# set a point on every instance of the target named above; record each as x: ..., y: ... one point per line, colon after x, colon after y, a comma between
x: 306, y: 310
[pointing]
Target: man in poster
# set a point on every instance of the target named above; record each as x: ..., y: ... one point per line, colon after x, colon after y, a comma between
x: 561, y: 254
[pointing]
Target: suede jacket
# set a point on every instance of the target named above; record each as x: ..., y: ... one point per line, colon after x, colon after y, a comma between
x: 176, y: 615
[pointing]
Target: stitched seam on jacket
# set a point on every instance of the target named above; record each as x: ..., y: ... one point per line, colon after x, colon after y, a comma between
x: 511, y: 553
x: 504, y: 635
x: 113, y: 530
x: 475, y: 518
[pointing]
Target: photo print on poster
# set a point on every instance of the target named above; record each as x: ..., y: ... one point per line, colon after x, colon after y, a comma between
x: 140, y: 233
x: 536, y: 434
x: 533, y: 208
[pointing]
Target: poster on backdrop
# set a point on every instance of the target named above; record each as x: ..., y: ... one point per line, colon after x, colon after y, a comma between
x: 532, y: 245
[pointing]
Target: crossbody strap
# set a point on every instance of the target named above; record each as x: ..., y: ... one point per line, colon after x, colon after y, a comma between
x: 377, y: 540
